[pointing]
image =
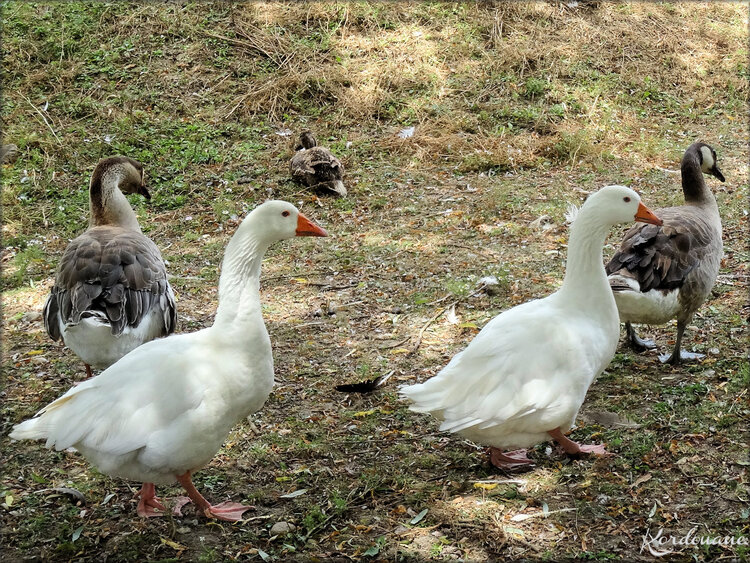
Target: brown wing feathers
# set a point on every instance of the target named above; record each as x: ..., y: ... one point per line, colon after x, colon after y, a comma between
x: 660, y: 257
x: 114, y: 272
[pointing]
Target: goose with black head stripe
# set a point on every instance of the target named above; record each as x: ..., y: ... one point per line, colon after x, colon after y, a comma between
x: 164, y: 410
x: 524, y: 377
x: 666, y: 272
x: 111, y: 292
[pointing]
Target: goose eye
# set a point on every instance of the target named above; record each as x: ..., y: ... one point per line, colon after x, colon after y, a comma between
x: 626, y: 199
x: 285, y: 213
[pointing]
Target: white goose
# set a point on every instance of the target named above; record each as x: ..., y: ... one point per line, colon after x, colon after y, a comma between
x: 111, y: 292
x: 524, y: 377
x: 667, y: 272
x: 163, y: 411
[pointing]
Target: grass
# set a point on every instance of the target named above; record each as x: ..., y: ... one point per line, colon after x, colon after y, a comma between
x: 518, y: 108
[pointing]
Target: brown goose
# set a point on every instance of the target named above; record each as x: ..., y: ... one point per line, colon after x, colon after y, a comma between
x: 664, y: 273
x: 316, y: 166
x: 111, y: 292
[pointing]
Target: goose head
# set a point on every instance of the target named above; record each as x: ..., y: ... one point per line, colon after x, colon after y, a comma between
x: 306, y: 141
x: 619, y: 204
x: 707, y: 158
x: 126, y: 173
x: 277, y: 220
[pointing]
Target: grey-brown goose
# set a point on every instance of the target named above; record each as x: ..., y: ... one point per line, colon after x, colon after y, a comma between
x: 667, y: 272
x: 316, y: 167
x: 111, y: 292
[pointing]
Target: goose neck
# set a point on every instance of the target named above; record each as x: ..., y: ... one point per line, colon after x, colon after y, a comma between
x: 239, y: 283
x: 108, y: 205
x: 585, y: 277
x: 693, y: 182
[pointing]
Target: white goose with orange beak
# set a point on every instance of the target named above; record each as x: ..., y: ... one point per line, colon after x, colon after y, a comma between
x: 524, y: 377
x: 164, y: 410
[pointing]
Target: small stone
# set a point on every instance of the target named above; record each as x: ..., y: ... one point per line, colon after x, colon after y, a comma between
x: 714, y: 351
x: 183, y: 530
x: 31, y: 317
x: 281, y: 528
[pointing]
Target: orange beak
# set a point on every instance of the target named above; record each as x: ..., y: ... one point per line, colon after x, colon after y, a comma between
x: 306, y: 228
x: 645, y: 215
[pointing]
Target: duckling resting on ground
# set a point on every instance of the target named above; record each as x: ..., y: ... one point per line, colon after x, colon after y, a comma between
x: 316, y: 167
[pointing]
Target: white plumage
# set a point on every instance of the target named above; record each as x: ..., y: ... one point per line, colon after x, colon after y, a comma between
x: 164, y: 409
x: 527, y: 372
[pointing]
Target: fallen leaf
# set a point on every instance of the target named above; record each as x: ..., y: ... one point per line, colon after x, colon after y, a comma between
x: 374, y: 550
x: 76, y: 534
x: 74, y: 494
x: 485, y: 486
x: 642, y: 479
x: 543, y: 513
x: 173, y: 544
x: 610, y: 419
x: 295, y: 494
x: 514, y: 531
x: 418, y: 517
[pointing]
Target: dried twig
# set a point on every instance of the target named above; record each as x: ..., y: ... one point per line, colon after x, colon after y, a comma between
x: 59, y: 142
x: 435, y: 317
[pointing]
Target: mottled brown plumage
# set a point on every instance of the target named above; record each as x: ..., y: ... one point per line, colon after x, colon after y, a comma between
x: 111, y: 292
x: 667, y: 272
x: 316, y: 167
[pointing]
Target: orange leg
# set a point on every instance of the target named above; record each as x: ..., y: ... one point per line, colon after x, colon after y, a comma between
x: 229, y: 511
x: 149, y: 504
x: 89, y: 375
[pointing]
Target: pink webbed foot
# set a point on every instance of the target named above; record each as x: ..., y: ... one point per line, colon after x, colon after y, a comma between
x: 229, y: 511
x: 574, y: 448
x: 149, y: 505
x: 180, y: 502
x: 509, y: 460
